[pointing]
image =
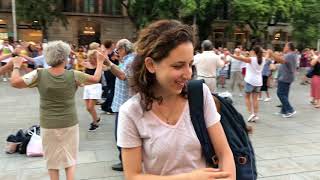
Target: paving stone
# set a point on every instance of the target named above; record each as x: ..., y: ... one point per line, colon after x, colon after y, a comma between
x: 278, y: 167
x: 310, y: 163
x: 287, y: 151
x: 24, y: 162
x: 34, y: 174
x: 8, y: 175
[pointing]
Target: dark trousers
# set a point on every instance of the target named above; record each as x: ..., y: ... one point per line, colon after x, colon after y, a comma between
x: 116, y: 136
x: 283, y: 95
x: 109, y: 93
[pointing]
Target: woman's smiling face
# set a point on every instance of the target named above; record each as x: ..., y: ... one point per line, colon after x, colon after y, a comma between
x: 173, y: 72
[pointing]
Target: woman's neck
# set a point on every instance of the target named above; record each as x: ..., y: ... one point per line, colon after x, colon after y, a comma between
x: 58, y: 70
x: 165, y: 96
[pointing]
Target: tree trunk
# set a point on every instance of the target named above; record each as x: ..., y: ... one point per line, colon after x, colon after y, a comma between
x: 44, y: 28
x: 132, y: 18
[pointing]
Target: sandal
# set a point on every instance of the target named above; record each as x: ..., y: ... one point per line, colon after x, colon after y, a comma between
x: 317, y: 106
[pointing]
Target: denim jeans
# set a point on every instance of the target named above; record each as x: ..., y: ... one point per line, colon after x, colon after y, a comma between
x: 283, y: 95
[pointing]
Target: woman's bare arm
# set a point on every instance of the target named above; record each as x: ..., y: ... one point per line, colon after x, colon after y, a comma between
x: 222, y: 149
x: 241, y: 58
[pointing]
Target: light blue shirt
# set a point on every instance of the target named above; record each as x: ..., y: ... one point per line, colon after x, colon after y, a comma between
x: 121, y: 91
x: 41, y: 61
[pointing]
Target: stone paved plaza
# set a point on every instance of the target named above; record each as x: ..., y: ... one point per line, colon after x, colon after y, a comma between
x: 286, y: 149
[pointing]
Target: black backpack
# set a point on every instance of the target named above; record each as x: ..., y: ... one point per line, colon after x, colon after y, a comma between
x: 234, y: 127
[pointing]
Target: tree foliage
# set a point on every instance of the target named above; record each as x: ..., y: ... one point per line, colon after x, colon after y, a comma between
x: 200, y: 12
x: 259, y: 14
x: 306, y: 24
x: 43, y: 11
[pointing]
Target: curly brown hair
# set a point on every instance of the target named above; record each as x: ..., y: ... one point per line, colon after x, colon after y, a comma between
x: 156, y: 41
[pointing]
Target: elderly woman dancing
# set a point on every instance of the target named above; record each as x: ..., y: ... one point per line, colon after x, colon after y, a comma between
x: 58, y: 118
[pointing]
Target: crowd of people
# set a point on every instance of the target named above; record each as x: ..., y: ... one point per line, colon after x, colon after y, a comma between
x: 255, y: 71
x: 144, y: 86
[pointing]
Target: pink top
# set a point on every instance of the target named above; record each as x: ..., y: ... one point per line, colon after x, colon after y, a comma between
x: 166, y: 149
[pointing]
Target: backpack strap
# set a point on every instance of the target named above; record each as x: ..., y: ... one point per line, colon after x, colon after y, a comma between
x: 195, y: 98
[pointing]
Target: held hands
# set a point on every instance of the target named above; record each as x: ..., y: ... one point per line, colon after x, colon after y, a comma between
x: 208, y: 174
x: 101, y: 58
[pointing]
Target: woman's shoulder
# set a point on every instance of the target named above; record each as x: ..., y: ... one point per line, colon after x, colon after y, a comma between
x: 206, y: 91
x: 132, y: 106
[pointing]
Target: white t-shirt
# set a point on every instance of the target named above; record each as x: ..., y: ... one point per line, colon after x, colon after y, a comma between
x: 254, y: 72
x: 166, y: 149
x: 207, y: 63
x: 236, y: 65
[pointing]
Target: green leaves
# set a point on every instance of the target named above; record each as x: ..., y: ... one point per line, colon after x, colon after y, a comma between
x: 43, y: 11
x: 306, y: 23
x: 201, y: 12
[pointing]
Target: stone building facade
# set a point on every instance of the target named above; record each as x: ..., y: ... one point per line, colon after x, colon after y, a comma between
x: 88, y: 21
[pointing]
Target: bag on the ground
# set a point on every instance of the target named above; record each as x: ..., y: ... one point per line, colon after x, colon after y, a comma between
x: 11, y: 147
x: 34, y: 148
x: 14, y: 141
x: 26, y: 136
x: 234, y: 127
x: 11, y: 144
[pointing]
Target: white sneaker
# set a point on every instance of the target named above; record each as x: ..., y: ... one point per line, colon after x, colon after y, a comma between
x: 251, y: 117
x: 267, y: 99
x: 260, y: 99
x: 255, y: 118
x: 240, y: 95
x: 288, y: 115
x: 4, y: 79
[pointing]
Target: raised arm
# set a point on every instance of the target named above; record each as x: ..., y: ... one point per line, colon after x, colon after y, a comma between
x: 243, y: 59
x: 97, y: 74
x: 315, y: 60
x: 30, y: 59
x: 115, y: 70
x: 16, y: 79
x: 277, y: 58
x: 3, y: 57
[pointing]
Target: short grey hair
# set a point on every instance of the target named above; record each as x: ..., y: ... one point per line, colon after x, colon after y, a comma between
x: 206, y: 45
x: 56, y: 52
x: 126, y: 45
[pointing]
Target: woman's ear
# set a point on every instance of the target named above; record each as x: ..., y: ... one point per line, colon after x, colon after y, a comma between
x: 150, y: 64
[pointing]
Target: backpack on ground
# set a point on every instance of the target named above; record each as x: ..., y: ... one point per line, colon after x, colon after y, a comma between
x: 234, y: 127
